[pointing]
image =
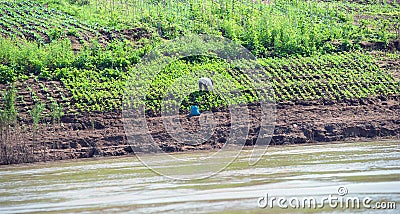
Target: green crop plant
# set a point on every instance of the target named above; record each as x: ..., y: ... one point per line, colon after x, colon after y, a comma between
x: 279, y: 28
x: 300, y: 46
x: 56, y: 112
x: 8, y: 112
x: 7, y: 74
x: 37, y: 113
x: 30, y: 20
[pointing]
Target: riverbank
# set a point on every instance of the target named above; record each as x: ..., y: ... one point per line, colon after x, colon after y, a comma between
x: 63, y: 82
x: 124, y: 184
x: 102, y: 134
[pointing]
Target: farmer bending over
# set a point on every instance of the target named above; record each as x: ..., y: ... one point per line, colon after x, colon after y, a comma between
x: 206, y: 83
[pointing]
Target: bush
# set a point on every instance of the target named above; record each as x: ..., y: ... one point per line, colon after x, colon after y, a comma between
x: 79, y: 2
x: 55, y: 33
x: 7, y: 74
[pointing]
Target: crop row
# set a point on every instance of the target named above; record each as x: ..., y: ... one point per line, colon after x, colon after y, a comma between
x: 281, y: 80
x: 33, y: 21
x: 334, y: 76
x: 276, y: 28
x: 280, y: 28
x: 97, y: 76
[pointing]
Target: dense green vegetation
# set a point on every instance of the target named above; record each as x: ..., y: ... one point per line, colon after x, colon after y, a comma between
x: 268, y: 29
x: 21, y: 59
x: 309, y: 49
x: 333, y: 76
x: 33, y: 21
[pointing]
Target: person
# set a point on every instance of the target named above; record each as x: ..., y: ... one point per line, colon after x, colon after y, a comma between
x: 206, y: 83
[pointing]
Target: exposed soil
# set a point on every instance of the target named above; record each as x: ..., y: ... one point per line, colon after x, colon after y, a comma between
x: 391, y: 46
x: 129, y: 34
x: 134, y: 34
x: 102, y: 134
x: 83, y: 135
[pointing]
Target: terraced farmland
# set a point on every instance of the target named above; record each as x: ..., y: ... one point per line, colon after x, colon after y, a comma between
x: 70, y: 62
x: 328, y: 77
x: 35, y: 22
x: 335, y: 77
x: 96, y: 74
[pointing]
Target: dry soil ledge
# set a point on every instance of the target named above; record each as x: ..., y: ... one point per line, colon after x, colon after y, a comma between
x: 102, y: 134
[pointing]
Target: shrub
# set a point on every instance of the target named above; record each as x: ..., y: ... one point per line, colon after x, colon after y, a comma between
x: 7, y: 74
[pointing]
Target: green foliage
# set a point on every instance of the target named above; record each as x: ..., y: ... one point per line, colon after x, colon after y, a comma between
x: 279, y: 28
x: 94, y: 90
x: 8, y: 113
x: 47, y: 61
x: 45, y: 74
x: 333, y: 76
x: 180, y: 78
x: 56, y: 112
x: 7, y: 74
x: 32, y: 21
x: 330, y: 76
x: 55, y: 34
x: 281, y: 33
x: 29, y: 58
x: 37, y: 113
x: 79, y: 2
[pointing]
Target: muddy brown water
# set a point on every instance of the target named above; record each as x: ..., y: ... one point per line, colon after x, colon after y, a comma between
x: 124, y: 184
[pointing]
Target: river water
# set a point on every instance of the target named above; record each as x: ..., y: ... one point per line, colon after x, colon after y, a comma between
x: 368, y: 171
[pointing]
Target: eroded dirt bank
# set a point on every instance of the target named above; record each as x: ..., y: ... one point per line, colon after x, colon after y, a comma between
x: 102, y: 134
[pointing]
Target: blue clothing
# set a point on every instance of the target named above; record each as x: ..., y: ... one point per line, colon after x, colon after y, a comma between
x: 194, y: 111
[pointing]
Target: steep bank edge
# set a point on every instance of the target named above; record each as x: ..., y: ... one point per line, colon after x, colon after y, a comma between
x: 102, y: 134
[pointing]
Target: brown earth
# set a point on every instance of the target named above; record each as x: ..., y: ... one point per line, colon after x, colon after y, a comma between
x: 391, y: 46
x: 83, y: 135
x: 102, y: 134
x: 129, y: 34
x: 134, y: 35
